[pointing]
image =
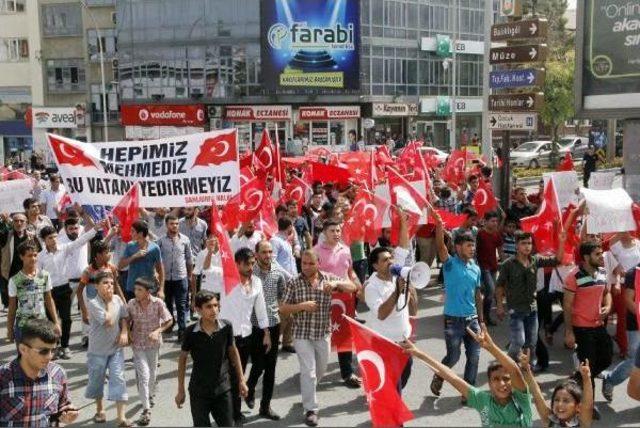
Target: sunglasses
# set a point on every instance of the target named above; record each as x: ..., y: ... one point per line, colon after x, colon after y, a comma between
x: 42, y: 351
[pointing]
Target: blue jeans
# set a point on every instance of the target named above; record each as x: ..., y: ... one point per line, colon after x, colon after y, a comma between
x: 523, y: 332
x: 97, y: 366
x: 177, y: 291
x: 622, y: 371
x: 455, y: 332
x: 488, y: 291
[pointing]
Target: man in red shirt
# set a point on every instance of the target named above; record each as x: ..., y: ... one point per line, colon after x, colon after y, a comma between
x: 488, y: 249
x: 587, y: 303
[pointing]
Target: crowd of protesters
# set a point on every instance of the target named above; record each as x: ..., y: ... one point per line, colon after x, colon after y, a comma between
x: 169, y: 276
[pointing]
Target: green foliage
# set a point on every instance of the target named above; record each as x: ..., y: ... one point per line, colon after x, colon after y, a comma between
x: 558, y: 93
x: 560, y: 41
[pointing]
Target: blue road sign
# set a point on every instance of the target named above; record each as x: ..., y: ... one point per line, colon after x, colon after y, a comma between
x: 514, y: 78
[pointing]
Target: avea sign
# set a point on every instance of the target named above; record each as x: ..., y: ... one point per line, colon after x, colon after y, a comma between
x: 300, y: 36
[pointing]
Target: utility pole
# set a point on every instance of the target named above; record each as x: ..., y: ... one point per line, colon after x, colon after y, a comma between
x: 487, y: 138
x: 454, y: 76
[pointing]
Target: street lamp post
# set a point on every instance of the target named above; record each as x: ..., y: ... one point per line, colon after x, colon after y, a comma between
x: 105, y: 123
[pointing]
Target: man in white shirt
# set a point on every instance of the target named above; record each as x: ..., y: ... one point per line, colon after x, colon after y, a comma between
x: 78, y: 258
x: 384, y: 294
x: 209, y: 266
x: 54, y: 259
x: 247, y: 237
x: 237, y: 308
x: 51, y: 199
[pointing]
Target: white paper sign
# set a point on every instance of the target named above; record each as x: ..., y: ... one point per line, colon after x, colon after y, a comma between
x: 183, y: 171
x: 13, y: 193
x: 382, y: 191
x: 567, y: 186
x: 609, y: 211
x: 601, y: 180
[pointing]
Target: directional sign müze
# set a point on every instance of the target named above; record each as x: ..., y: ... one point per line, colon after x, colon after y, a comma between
x: 516, y: 102
x: 513, y: 121
x: 526, y: 29
x: 503, y: 79
x: 518, y: 54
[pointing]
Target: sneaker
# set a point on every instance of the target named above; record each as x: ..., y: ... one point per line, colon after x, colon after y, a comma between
x: 180, y: 336
x: 436, y: 385
x: 596, y: 414
x: 288, y: 348
x: 353, y: 382
x: 151, y: 402
x: 145, y: 418
x: 607, y: 389
x: 85, y: 342
x: 240, y: 421
x: 65, y: 354
x: 311, y: 418
x: 268, y: 413
x: 250, y: 400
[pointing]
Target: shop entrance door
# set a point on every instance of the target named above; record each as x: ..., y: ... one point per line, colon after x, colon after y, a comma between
x: 434, y: 132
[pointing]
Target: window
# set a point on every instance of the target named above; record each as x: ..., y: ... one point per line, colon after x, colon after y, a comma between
x: 109, y: 42
x: 12, y: 6
x: 66, y: 75
x: 14, y: 50
x: 62, y: 19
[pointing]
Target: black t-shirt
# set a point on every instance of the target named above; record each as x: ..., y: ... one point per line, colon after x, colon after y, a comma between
x: 516, y: 212
x: 210, y: 374
x: 589, y: 162
x: 630, y: 283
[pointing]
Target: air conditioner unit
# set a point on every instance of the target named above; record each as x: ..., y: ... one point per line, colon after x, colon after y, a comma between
x: 114, y: 63
x: 114, y: 18
x: 216, y: 124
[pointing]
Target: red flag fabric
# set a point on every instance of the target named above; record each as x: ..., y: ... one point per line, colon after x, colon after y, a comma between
x: 454, y: 171
x: 543, y: 225
x: 342, y: 304
x: 405, y: 196
x: 358, y: 165
x: 573, y: 238
x: 297, y: 190
x: 451, y: 220
x: 381, y: 364
x: 566, y: 164
x: 247, y: 160
x: 127, y: 211
x: 67, y: 153
x: 483, y: 200
x: 265, y: 154
x: 383, y: 157
x: 246, y: 175
x: 218, y: 150
x: 230, y: 273
x: 635, y: 210
x: 329, y: 173
x: 364, y: 220
x: 637, y: 284
x: 266, y: 221
x: 246, y: 205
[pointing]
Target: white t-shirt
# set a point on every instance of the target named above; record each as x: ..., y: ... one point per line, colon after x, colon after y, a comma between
x: 627, y: 257
x: 51, y: 199
x: 610, y: 265
x: 212, y: 278
x: 556, y: 283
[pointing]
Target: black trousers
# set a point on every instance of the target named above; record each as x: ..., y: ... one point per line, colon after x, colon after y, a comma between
x: 243, y: 344
x: 406, y: 373
x: 596, y: 345
x: 264, y: 363
x: 4, y: 292
x: 218, y: 406
x: 62, y: 297
x: 345, y: 360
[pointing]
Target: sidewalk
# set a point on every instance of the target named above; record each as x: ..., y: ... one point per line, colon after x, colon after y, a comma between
x: 530, y: 181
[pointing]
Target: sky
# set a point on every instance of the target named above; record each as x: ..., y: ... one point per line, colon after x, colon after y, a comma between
x: 572, y: 4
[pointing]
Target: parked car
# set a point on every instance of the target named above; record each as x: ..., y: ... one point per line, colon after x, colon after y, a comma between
x: 440, y: 155
x: 532, y: 154
x: 575, y: 145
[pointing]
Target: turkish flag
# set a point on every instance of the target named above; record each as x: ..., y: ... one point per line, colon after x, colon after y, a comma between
x: 127, y: 211
x: 381, y: 364
x: 543, y: 226
x: 635, y: 210
x: 358, y: 165
x: 364, y: 220
x: 246, y: 175
x: 342, y: 304
x: 265, y: 155
x: 230, y: 273
x: 451, y: 220
x: 67, y: 153
x: 297, y: 190
x: 266, y: 221
x: 383, y: 157
x: 64, y: 203
x: 483, y: 200
x: 329, y: 173
x: 247, y: 160
x: 218, y: 150
x: 246, y: 205
x: 566, y: 164
x: 403, y: 195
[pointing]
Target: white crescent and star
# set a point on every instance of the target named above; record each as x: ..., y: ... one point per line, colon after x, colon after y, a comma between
x: 250, y: 195
x: 63, y: 150
x: 378, y: 363
x: 268, y: 152
x: 226, y: 148
x: 482, y: 192
x: 298, y: 191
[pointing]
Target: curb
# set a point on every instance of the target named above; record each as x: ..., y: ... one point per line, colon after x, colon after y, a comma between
x: 534, y: 180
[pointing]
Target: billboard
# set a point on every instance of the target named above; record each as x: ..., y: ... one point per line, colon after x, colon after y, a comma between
x: 608, y: 58
x: 310, y: 45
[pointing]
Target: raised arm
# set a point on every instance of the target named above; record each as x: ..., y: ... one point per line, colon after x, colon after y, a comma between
x: 586, y: 405
x: 441, y: 247
x: 538, y: 398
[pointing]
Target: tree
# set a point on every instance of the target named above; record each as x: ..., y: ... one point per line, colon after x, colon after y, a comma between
x: 558, y: 96
x: 560, y: 40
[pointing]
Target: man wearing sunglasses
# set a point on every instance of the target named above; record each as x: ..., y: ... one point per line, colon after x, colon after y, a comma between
x: 33, y: 390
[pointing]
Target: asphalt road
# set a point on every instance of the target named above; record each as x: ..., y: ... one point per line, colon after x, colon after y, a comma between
x: 339, y: 406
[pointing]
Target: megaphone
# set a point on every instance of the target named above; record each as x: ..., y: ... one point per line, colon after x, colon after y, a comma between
x: 417, y: 275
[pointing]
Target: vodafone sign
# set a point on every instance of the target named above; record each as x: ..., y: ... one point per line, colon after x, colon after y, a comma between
x: 329, y: 112
x: 163, y: 115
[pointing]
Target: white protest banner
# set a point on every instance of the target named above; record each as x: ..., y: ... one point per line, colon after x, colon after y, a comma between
x: 382, y: 191
x: 13, y: 193
x: 567, y: 186
x: 181, y: 171
x: 609, y: 211
x: 601, y: 180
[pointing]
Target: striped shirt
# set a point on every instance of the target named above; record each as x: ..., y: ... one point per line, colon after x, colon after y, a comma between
x: 588, y: 291
x: 273, y: 282
x: 26, y: 402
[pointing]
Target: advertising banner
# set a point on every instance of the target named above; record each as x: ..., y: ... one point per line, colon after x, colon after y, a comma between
x: 257, y: 113
x: 163, y: 115
x: 310, y: 44
x: 13, y: 193
x: 327, y: 113
x: 54, y: 117
x: 189, y: 170
x: 610, y: 53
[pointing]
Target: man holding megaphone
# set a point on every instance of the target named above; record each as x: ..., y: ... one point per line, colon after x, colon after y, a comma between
x: 391, y: 295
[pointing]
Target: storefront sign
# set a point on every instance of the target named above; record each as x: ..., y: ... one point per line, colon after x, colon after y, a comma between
x: 469, y: 47
x: 309, y: 44
x: 463, y: 105
x: 329, y: 113
x: 163, y: 115
x: 394, y: 109
x: 257, y: 113
x: 188, y: 170
x: 54, y: 117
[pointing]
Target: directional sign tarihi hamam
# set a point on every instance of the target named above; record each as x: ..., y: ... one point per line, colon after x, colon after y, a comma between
x: 518, y: 54
x: 516, y: 102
